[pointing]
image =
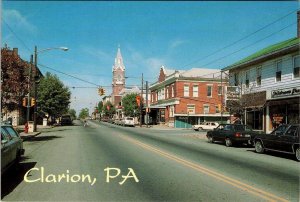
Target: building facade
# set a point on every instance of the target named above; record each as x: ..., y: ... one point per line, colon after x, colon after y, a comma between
x: 183, y: 98
x: 269, y: 81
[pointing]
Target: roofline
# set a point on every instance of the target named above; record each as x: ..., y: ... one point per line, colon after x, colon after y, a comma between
x: 265, y: 57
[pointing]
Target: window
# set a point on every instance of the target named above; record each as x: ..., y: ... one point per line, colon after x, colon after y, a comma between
x: 162, y: 94
x: 247, y: 79
x: 209, y: 91
x: 206, y: 109
x: 236, y: 79
x: 258, y: 76
x: 297, y: 67
x: 278, y: 71
x: 191, y: 109
x: 220, y: 90
x: 173, y: 90
x: 171, y: 111
x: 195, y: 91
x: 217, y: 109
x: 186, y: 91
x: 167, y: 92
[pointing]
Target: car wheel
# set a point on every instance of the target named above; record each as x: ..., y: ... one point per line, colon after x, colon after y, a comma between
x: 259, y: 148
x: 210, y: 139
x: 228, y: 142
x: 298, y: 154
x: 200, y: 128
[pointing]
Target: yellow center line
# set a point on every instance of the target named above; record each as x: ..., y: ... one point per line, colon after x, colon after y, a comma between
x: 245, y: 187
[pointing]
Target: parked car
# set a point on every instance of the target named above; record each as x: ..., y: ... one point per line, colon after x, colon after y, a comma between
x: 231, y: 134
x: 127, y: 121
x: 65, y: 120
x: 118, y: 121
x: 11, y: 147
x: 206, y: 126
x: 284, y: 138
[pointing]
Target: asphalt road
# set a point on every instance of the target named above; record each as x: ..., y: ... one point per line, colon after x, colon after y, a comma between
x: 153, y: 165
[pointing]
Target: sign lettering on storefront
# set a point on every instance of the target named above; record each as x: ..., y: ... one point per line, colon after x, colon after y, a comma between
x: 285, y: 92
x: 232, y: 93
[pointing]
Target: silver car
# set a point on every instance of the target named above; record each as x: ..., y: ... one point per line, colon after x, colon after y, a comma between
x: 11, y: 147
x: 128, y: 121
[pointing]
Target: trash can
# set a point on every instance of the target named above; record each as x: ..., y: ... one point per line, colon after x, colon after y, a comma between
x: 30, y: 126
x: 44, y: 121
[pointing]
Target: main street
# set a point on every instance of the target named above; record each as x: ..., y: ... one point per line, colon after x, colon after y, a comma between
x: 165, y: 165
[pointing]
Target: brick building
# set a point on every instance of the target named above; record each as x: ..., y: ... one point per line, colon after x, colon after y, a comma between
x: 183, y: 98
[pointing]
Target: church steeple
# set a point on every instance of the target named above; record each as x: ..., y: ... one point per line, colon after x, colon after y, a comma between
x: 119, y: 61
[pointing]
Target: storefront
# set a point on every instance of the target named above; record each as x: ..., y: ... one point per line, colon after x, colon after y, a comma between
x: 282, y: 107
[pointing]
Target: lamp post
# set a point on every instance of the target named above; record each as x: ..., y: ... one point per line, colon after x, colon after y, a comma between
x: 36, y: 52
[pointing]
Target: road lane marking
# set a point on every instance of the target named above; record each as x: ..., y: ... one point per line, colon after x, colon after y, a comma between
x: 245, y: 187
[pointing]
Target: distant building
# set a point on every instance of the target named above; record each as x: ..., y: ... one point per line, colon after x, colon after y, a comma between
x: 269, y: 81
x: 118, y: 79
x: 182, y: 98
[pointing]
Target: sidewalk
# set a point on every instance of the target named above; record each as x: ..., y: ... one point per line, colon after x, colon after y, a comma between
x: 25, y: 136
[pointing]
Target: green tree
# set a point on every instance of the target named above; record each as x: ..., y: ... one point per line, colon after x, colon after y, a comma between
x: 109, y: 109
x: 84, y: 113
x: 72, y: 113
x: 100, y: 106
x: 130, y: 105
x: 53, y: 96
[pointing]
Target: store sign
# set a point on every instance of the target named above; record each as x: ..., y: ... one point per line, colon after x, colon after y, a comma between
x: 232, y: 93
x: 287, y: 92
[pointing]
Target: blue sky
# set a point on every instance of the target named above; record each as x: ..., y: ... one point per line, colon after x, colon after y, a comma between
x: 178, y: 35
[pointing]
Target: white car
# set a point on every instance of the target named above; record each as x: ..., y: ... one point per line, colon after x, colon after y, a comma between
x: 206, y: 126
x: 128, y: 121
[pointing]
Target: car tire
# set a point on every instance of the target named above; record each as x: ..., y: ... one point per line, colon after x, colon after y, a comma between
x: 259, y: 148
x: 200, y: 128
x: 210, y: 139
x: 228, y: 142
x: 297, y: 153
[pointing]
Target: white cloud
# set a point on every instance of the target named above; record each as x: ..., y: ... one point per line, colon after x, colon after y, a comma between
x: 14, y: 17
x: 176, y: 43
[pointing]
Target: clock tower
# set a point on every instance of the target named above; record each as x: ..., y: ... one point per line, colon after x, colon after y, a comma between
x: 118, y: 79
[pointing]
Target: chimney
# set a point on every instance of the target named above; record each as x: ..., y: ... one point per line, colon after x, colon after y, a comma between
x: 298, y: 24
x: 15, y: 51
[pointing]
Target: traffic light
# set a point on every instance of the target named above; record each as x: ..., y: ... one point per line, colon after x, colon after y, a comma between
x: 32, y: 101
x: 101, y: 91
x: 24, y: 102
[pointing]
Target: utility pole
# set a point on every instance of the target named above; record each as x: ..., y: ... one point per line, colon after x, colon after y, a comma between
x: 141, y: 102
x: 147, y: 107
x: 28, y: 95
x: 35, y: 89
x: 221, y: 97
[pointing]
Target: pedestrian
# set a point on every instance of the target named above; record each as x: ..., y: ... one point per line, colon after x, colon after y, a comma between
x: 85, y: 123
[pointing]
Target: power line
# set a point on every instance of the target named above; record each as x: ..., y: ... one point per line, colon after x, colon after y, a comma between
x: 249, y: 45
x: 247, y: 36
x: 17, y: 36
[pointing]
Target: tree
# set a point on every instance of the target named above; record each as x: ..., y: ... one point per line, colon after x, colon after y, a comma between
x: 130, y: 105
x: 109, y: 109
x: 14, y: 83
x: 83, y: 113
x: 53, y: 97
x: 72, y: 113
x: 100, y: 106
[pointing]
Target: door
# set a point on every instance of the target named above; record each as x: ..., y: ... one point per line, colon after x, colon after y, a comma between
x: 272, y: 141
x: 287, y: 140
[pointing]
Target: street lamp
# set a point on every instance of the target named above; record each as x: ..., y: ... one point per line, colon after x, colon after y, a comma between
x: 36, y: 52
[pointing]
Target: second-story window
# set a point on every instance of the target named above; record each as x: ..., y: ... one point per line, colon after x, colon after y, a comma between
x: 278, y: 71
x: 162, y: 94
x: 209, y: 91
x: 236, y: 79
x: 258, y: 76
x: 173, y: 90
x: 195, y: 90
x: 220, y: 90
x: 206, y: 109
x: 297, y: 66
x: 247, y: 79
x: 186, y: 92
x: 167, y: 92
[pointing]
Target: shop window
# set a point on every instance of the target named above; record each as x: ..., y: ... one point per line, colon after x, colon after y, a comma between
x: 195, y: 91
x: 209, y: 91
x: 278, y: 71
x: 297, y: 67
x: 258, y: 76
x: 186, y: 91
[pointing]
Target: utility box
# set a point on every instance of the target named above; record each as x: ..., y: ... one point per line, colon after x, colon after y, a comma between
x: 30, y: 126
x: 44, y: 121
